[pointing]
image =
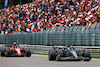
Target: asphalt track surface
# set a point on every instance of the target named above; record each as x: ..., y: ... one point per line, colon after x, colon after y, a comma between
x: 42, y: 61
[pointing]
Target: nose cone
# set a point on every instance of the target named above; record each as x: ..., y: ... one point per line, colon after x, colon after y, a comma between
x: 18, y: 51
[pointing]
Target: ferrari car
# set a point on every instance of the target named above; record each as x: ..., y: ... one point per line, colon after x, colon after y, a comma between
x: 68, y: 53
x: 15, y: 51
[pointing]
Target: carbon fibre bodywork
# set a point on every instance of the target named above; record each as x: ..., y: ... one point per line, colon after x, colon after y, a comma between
x: 68, y: 53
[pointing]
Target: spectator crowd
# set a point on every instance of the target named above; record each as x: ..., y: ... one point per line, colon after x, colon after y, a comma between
x: 45, y: 14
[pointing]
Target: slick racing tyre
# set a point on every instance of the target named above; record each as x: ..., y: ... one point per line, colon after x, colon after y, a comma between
x: 52, y: 54
x: 2, y: 51
x: 7, y: 51
x: 87, y: 55
x: 28, y: 52
x: 78, y: 52
x: 60, y: 54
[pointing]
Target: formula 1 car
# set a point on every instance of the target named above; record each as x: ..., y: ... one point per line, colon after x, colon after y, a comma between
x: 68, y: 53
x: 15, y: 51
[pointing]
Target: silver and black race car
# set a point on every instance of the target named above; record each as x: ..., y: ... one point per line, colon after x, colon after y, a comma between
x: 68, y: 53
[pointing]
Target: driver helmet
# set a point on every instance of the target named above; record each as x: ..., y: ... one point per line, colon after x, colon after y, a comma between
x: 68, y: 45
x: 14, y: 43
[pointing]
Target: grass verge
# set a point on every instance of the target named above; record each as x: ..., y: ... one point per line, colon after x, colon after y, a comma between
x: 39, y: 53
x: 98, y: 57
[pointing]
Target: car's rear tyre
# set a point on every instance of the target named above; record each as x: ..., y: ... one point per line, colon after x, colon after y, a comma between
x: 60, y: 54
x: 78, y: 52
x: 87, y: 55
x: 52, y: 54
x: 28, y: 52
x: 2, y: 51
x: 7, y: 51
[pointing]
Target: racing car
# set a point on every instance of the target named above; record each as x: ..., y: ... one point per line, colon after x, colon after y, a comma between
x: 68, y: 53
x: 15, y: 50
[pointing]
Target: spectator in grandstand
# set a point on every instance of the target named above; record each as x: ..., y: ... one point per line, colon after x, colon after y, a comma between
x: 42, y: 15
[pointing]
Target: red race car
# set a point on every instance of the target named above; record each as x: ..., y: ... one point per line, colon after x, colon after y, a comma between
x: 15, y: 51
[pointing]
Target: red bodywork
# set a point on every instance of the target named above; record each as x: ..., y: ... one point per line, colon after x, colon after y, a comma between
x: 18, y: 50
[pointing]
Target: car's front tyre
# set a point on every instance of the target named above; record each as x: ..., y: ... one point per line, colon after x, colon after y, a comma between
x: 52, y: 54
x: 28, y: 52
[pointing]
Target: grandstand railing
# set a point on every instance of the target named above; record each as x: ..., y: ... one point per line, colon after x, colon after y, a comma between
x: 76, y: 36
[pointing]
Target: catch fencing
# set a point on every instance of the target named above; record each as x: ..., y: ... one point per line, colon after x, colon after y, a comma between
x: 60, y: 36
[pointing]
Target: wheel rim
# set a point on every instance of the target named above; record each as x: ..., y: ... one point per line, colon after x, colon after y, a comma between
x: 49, y: 55
x: 58, y: 55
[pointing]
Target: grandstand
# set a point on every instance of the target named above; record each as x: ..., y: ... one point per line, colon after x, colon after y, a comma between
x: 51, y: 22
